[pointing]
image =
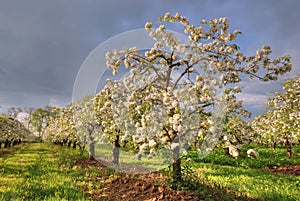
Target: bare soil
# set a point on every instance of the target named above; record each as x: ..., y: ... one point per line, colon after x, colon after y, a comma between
x: 293, y: 170
x: 143, y: 189
x: 147, y: 187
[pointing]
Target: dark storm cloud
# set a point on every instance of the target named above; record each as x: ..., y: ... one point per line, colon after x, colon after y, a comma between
x: 43, y: 43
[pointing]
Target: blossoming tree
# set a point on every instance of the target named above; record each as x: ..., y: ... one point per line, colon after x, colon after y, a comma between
x: 281, y: 124
x: 86, y: 124
x: 41, y: 117
x: 264, y: 127
x: 237, y: 132
x: 105, y: 117
x: 11, y: 131
x: 176, y: 81
x: 62, y: 129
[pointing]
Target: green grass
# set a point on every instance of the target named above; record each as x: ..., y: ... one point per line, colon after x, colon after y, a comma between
x: 6, y: 151
x: 127, y: 159
x: 251, y: 182
x: 89, y: 179
x: 33, y: 173
x: 42, y: 171
x: 267, y: 157
x: 247, y: 176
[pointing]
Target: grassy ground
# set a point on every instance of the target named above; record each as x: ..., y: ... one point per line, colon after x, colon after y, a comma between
x: 34, y: 173
x: 129, y: 162
x: 42, y: 171
x: 249, y: 176
x: 6, y: 151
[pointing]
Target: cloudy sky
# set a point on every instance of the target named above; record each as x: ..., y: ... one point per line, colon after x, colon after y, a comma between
x: 43, y: 43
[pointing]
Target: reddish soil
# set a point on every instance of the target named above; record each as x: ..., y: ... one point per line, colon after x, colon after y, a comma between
x: 87, y: 163
x: 142, y: 189
x: 289, y: 170
x: 148, y: 187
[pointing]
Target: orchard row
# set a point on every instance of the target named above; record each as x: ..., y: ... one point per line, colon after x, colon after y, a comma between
x: 178, y: 95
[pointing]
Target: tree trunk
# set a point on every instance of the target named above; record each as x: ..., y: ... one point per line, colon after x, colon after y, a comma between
x: 116, y: 150
x: 69, y: 143
x: 274, y: 145
x: 226, y: 151
x: 177, y: 177
x: 74, y: 144
x: 288, y: 147
x: 196, y: 144
x: 6, y: 143
x: 92, y: 151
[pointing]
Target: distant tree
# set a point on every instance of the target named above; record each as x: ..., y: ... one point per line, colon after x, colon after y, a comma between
x: 237, y: 132
x: 262, y: 125
x: 29, y: 111
x: 281, y: 123
x: 105, y: 118
x: 11, y: 131
x: 86, y: 124
x: 41, y: 117
x: 14, y: 111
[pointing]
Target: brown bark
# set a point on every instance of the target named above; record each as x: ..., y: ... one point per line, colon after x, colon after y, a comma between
x: 92, y: 151
x: 6, y: 143
x: 69, y: 143
x: 288, y: 147
x: 177, y: 176
x: 116, y: 150
x: 274, y: 146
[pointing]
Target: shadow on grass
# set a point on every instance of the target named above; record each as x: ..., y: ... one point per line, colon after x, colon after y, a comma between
x: 267, y: 157
x: 6, y: 151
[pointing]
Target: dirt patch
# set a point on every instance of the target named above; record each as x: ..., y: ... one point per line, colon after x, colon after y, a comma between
x: 289, y: 170
x: 87, y: 163
x: 145, y: 187
x: 141, y: 189
x: 135, y: 187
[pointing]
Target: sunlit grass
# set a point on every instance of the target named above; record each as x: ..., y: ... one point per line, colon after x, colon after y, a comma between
x: 33, y: 173
x: 251, y: 182
x: 43, y: 171
x: 248, y: 176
